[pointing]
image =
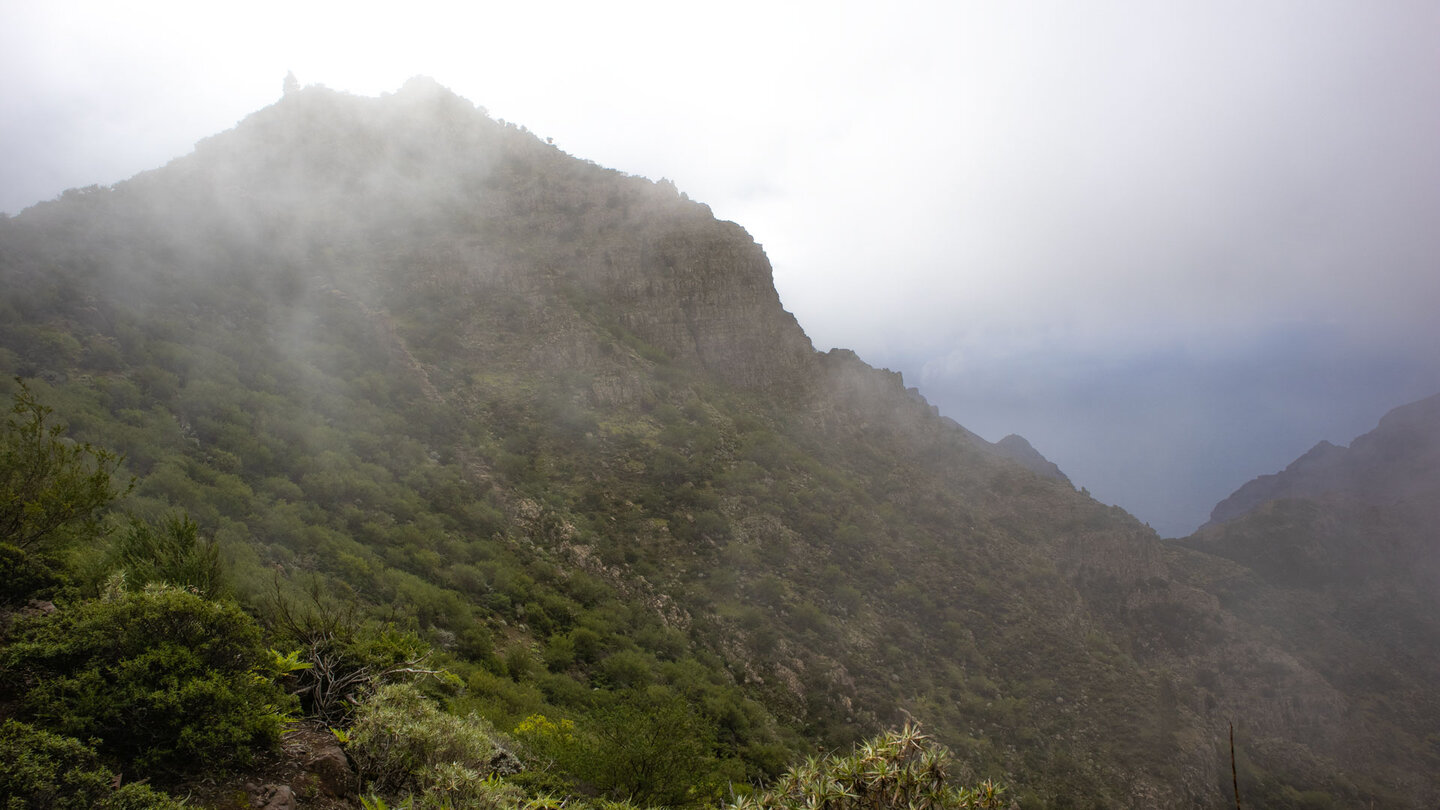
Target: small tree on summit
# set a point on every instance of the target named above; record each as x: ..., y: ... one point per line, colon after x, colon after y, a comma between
x: 291, y: 83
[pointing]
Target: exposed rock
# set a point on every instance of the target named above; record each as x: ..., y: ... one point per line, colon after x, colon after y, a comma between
x: 330, y: 771
x: 38, y: 607
x: 275, y: 797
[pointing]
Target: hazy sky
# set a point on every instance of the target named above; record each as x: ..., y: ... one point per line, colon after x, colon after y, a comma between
x: 1174, y: 244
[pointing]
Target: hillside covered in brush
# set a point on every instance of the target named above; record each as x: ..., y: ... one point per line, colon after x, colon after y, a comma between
x: 442, y: 395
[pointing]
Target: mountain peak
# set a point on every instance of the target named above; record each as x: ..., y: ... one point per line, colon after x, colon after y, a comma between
x: 1018, y: 448
x: 421, y: 188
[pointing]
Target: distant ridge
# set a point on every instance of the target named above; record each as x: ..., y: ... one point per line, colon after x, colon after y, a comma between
x: 1016, y: 447
x: 1397, y: 459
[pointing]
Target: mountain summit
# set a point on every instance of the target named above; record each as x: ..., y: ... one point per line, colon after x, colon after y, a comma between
x: 422, y: 369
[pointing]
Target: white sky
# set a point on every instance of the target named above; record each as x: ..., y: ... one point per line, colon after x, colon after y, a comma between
x: 1173, y: 244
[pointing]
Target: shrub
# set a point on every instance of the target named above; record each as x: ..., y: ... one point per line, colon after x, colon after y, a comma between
x: 39, y: 769
x: 51, y: 489
x: 163, y: 676
x: 342, y: 659
x: 403, y: 744
x: 172, y: 554
x: 25, y: 575
x: 652, y: 748
x: 452, y: 786
x: 52, y: 492
x: 553, y: 750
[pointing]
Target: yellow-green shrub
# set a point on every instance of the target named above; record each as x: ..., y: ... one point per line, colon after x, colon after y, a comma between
x: 403, y: 744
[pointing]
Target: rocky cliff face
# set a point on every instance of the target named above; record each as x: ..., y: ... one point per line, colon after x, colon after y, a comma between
x: 421, y: 192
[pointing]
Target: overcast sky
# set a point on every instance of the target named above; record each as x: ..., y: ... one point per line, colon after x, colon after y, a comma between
x: 1173, y: 244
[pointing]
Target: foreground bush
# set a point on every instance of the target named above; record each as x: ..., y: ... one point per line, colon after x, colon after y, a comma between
x: 52, y: 490
x: 652, y: 748
x: 162, y: 678
x: 39, y: 769
x: 902, y: 770
x: 404, y: 745
x: 341, y: 659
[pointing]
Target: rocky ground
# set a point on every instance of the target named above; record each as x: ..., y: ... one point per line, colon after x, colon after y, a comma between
x: 309, y: 771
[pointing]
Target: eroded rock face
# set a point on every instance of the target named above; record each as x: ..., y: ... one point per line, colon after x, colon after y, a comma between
x: 706, y: 292
x: 424, y: 195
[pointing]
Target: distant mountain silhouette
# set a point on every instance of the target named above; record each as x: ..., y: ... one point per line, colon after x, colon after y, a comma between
x: 1398, y: 460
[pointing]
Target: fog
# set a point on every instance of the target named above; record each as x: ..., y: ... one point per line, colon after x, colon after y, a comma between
x: 1174, y: 247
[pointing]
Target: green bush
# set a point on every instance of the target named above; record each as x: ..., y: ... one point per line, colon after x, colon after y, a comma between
x: 163, y: 677
x: 343, y: 657
x: 51, y: 489
x: 52, y: 493
x: 452, y: 786
x: 40, y: 770
x: 403, y: 744
x: 172, y: 554
x: 651, y: 748
x: 25, y: 575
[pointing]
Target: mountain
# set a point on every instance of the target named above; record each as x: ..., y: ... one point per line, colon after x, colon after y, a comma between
x: 1399, y: 460
x: 1344, y: 568
x: 1345, y: 515
x: 1018, y: 448
x: 416, y: 365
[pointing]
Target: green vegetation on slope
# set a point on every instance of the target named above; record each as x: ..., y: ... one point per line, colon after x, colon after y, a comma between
x: 174, y: 684
x: 436, y: 397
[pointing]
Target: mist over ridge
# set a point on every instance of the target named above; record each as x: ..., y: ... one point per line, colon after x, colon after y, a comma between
x: 557, y: 421
x: 963, y: 193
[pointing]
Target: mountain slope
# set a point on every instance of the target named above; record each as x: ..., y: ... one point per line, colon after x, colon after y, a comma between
x: 555, y: 419
x: 1397, y: 461
x: 1345, y: 560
